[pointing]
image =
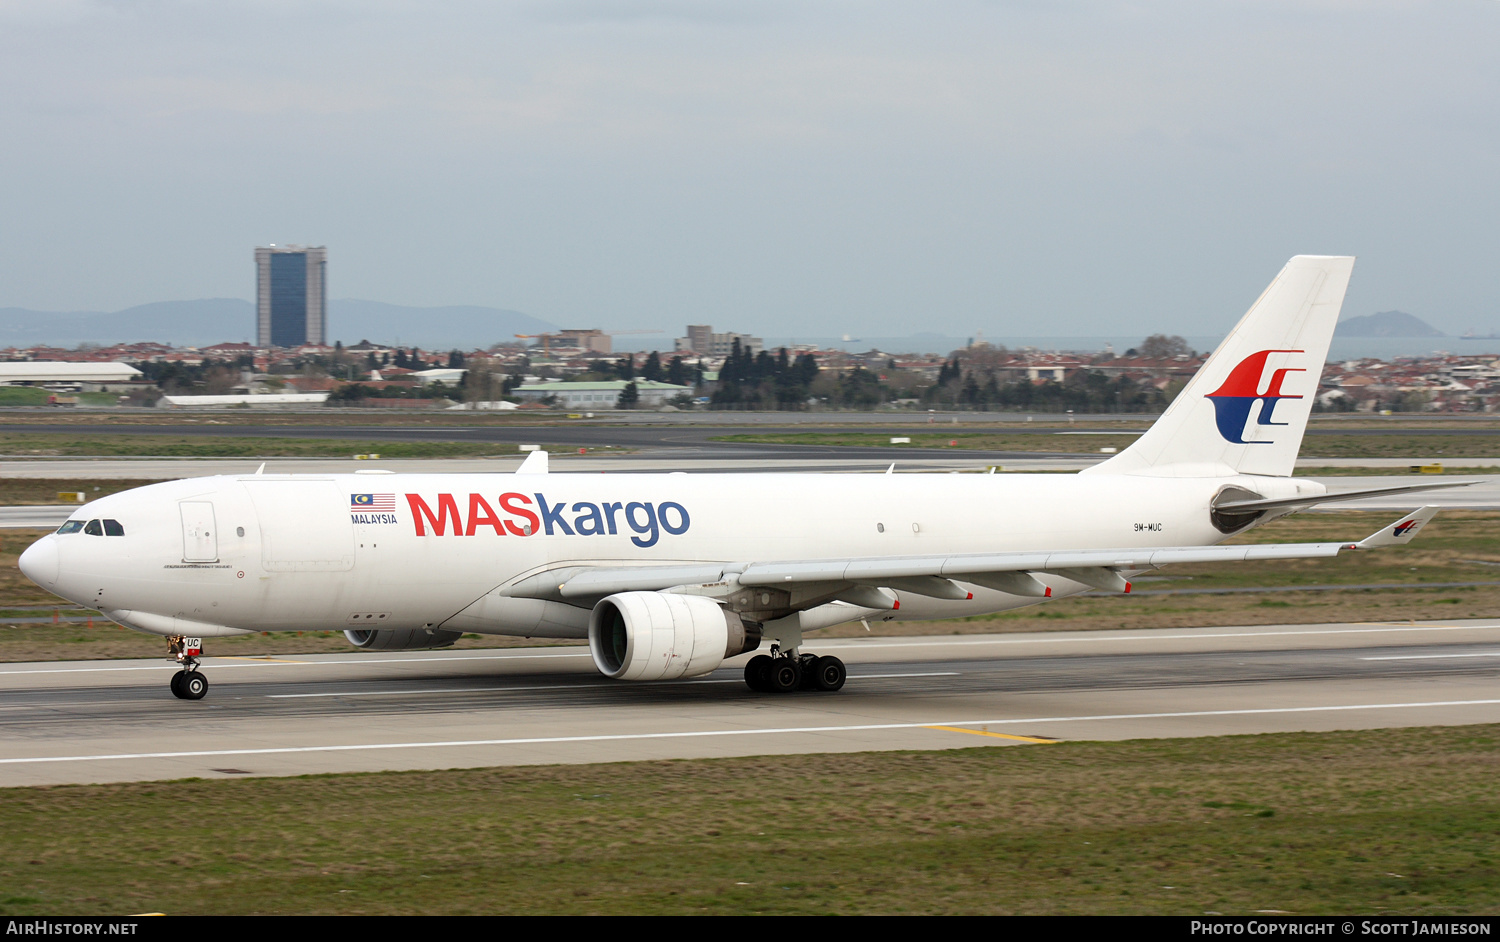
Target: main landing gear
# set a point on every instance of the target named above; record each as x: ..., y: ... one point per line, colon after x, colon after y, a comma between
x: 188, y: 683
x: 780, y: 673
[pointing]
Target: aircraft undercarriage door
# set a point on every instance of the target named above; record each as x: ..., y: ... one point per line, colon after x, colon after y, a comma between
x: 200, y: 533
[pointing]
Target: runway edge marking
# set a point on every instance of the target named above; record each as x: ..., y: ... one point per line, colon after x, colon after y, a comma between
x: 623, y: 737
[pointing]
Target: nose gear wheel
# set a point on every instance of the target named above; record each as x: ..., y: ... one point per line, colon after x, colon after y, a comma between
x: 188, y: 683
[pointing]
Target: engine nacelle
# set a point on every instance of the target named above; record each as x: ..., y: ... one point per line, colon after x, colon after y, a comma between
x: 401, y: 639
x: 654, y: 636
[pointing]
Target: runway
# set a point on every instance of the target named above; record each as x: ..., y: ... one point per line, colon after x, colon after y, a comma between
x: 116, y: 721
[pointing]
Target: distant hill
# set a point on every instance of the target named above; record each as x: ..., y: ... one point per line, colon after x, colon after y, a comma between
x: 1387, y: 324
x: 216, y: 320
x: 187, y: 323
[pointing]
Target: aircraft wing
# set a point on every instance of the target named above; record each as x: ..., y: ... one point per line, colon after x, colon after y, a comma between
x: 934, y: 575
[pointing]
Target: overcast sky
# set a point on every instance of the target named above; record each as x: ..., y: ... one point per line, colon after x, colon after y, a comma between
x: 787, y: 168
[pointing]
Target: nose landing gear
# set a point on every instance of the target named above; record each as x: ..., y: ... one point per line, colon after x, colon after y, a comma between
x: 780, y: 673
x: 188, y: 683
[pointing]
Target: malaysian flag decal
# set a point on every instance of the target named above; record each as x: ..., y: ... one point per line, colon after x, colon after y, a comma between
x: 372, y: 503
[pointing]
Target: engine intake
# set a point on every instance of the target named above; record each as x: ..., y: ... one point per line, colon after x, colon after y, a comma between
x: 653, y: 636
x: 401, y: 639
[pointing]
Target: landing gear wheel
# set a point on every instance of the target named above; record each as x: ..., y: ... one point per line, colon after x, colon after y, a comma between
x: 784, y: 674
x: 187, y: 684
x: 829, y: 673
x: 193, y: 686
x: 806, y: 664
x: 755, y: 673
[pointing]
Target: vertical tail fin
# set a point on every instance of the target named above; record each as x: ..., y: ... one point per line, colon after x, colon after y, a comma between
x: 1246, y: 409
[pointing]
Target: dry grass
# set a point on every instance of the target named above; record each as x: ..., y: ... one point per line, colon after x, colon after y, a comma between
x: 1391, y: 821
x: 41, y: 491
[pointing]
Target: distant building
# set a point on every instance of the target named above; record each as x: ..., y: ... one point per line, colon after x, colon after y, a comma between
x: 291, y: 295
x: 601, y: 395
x: 572, y: 341
x: 702, y: 340
x: 86, y: 377
x: 448, y: 377
x: 282, y: 401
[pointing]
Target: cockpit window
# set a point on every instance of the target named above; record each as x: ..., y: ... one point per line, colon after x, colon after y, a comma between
x: 113, y: 528
x: 93, y: 528
x: 72, y: 526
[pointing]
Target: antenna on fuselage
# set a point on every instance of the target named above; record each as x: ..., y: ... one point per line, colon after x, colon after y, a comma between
x: 261, y: 469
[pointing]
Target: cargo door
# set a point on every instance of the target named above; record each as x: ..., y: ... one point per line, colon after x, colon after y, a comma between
x: 200, y: 540
x: 304, y: 526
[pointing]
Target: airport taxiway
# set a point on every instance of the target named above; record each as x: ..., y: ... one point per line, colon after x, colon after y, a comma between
x: 116, y: 721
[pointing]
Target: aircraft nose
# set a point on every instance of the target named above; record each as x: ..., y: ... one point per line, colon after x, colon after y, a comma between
x: 40, y: 563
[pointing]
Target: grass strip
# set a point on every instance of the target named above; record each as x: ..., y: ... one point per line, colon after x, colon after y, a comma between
x: 962, y: 441
x: 1318, y: 444
x: 1400, y: 821
x: 173, y: 446
x: 47, y: 491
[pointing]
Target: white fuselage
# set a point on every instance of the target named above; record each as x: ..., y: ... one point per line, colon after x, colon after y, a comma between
x: 279, y: 552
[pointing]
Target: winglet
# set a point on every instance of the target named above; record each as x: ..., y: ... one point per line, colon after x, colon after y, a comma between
x: 1399, y: 532
x: 535, y: 463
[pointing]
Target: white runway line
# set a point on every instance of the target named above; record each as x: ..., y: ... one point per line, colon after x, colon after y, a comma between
x: 1427, y: 657
x: 621, y: 737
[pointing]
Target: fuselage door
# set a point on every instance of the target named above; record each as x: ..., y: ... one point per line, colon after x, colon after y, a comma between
x: 200, y: 540
x: 304, y: 525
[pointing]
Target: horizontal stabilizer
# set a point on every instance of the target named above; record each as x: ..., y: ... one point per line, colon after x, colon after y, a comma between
x: 1242, y: 506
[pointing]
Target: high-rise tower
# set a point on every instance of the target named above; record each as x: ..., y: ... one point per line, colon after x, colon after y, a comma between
x: 291, y: 295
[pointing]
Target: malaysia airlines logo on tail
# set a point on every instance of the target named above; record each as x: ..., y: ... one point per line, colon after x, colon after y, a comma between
x: 1241, y: 390
x: 1403, y: 528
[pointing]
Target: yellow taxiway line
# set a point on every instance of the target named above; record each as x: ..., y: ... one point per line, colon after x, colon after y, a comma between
x: 985, y: 732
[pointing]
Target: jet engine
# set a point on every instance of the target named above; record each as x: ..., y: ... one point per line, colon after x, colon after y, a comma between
x: 654, y: 636
x: 401, y: 639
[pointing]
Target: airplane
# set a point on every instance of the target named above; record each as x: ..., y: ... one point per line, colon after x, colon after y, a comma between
x: 668, y: 575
